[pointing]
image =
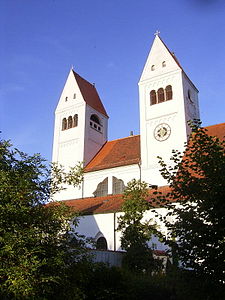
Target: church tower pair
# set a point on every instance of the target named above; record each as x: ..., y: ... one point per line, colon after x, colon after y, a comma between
x: 168, y: 99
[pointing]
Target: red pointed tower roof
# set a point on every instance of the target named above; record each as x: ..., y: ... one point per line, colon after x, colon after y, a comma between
x: 90, y: 94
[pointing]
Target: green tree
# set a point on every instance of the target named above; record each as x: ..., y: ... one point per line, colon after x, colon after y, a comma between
x: 197, y: 182
x: 35, y: 247
x: 135, y: 232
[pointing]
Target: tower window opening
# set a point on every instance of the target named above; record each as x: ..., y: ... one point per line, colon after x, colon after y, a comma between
x: 189, y: 95
x: 161, y: 96
x: 169, y: 93
x: 74, y: 96
x: 153, y: 97
x: 163, y: 64
x: 66, y: 99
x: 95, y: 118
x: 70, y: 122
x: 75, y: 120
x: 64, y: 124
x: 153, y: 68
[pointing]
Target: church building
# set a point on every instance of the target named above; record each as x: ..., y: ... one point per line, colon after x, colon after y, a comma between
x: 167, y: 100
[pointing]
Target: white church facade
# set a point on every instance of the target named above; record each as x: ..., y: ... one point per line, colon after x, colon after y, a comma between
x: 168, y: 99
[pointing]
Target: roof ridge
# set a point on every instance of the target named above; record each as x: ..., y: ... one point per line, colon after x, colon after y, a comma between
x: 127, y: 137
x: 214, y: 125
x: 90, y: 94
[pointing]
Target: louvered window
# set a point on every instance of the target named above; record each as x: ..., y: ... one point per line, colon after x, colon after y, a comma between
x: 161, y: 96
x: 153, y: 97
x: 169, y: 93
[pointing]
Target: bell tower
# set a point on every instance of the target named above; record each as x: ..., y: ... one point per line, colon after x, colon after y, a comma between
x: 168, y: 100
x: 81, y: 126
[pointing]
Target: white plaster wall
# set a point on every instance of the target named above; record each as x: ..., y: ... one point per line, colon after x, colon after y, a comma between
x: 94, y: 139
x: 92, y: 179
x: 106, y: 224
x: 191, y: 105
x: 68, y: 145
x: 173, y: 112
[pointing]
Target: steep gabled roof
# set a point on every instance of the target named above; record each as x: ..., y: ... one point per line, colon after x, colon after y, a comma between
x: 90, y: 94
x: 121, y: 152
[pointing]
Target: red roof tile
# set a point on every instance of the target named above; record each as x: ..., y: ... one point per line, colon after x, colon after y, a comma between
x: 109, y: 203
x: 121, y: 152
x: 217, y: 130
x: 126, y: 151
x: 90, y: 94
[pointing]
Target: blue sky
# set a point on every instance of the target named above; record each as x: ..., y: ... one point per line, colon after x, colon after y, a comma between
x: 107, y: 42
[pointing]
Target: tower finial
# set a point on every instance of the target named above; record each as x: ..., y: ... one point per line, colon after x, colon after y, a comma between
x: 157, y: 33
x: 72, y: 68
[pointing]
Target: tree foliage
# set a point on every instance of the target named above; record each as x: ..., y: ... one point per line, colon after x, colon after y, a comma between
x: 35, y: 248
x: 135, y: 231
x: 197, y: 182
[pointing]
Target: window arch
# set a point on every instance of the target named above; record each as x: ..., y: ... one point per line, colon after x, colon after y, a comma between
x: 101, y: 243
x: 70, y: 122
x: 169, y: 92
x: 64, y: 124
x: 102, y: 188
x: 161, y: 96
x: 118, y: 186
x: 75, y: 120
x: 163, y: 64
x: 152, y: 67
x: 153, y: 97
x: 95, y: 118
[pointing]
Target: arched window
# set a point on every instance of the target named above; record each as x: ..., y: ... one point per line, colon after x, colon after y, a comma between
x: 64, y: 124
x: 161, y: 96
x: 75, y: 120
x: 102, y: 188
x: 95, y: 118
x: 152, y: 97
x: 70, y: 122
x: 101, y: 243
x: 118, y: 186
x: 163, y: 64
x: 152, y: 67
x: 169, y: 93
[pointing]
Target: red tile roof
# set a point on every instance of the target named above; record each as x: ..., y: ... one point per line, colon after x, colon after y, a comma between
x: 90, y: 94
x: 126, y: 151
x: 121, y: 152
x: 217, y: 130
x: 109, y: 203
